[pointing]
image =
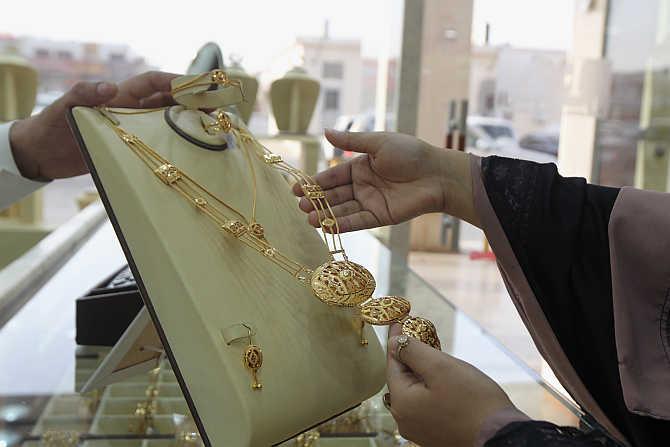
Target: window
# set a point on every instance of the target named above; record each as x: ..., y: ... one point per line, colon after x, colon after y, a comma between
x: 331, y: 100
x: 41, y: 52
x: 64, y: 55
x: 333, y: 70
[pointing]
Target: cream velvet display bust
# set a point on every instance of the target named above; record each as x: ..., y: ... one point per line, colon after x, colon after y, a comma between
x: 18, y: 87
x: 201, y: 285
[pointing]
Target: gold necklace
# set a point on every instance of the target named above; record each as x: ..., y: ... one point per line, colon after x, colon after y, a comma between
x: 340, y: 283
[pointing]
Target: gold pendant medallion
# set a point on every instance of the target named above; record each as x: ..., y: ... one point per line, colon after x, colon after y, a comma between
x: 423, y: 330
x: 385, y: 310
x: 342, y: 283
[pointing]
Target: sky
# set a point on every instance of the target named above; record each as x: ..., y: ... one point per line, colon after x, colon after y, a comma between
x: 261, y: 31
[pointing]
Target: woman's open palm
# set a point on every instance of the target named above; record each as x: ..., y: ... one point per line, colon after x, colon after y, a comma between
x: 395, y: 180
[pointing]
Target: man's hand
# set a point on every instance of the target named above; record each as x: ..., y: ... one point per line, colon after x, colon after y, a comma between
x: 43, y: 145
x: 398, y: 177
x: 436, y: 399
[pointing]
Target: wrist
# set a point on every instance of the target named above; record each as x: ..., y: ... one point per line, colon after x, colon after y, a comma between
x: 455, y: 183
x: 20, y: 143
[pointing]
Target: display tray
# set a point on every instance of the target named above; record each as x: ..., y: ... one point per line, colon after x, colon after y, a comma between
x: 108, y: 417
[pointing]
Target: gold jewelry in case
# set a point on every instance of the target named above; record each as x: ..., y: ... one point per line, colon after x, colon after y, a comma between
x: 55, y: 438
x: 308, y: 439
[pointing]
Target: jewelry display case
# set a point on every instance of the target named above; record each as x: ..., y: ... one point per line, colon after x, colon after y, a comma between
x: 44, y: 368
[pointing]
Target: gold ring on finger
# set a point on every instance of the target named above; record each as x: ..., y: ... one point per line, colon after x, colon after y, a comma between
x: 403, y: 341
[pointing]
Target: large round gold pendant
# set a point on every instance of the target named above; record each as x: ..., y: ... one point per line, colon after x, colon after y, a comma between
x: 385, y: 310
x: 423, y: 330
x: 342, y: 283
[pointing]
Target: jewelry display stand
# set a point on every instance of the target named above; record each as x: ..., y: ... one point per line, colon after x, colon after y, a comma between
x: 293, y: 98
x: 21, y: 224
x: 197, y: 282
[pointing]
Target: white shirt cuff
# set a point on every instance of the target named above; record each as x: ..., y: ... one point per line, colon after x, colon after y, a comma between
x: 13, y: 186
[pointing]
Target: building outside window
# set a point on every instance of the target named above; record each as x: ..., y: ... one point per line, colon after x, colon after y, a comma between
x: 333, y: 70
x: 331, y: 100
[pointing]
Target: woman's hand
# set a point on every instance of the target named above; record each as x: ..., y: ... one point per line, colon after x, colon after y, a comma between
x: 436, y: 399
x: 43, y: 145
x: 398, y: 177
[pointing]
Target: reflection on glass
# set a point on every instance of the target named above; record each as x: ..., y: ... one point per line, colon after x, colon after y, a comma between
x: 633, y: 137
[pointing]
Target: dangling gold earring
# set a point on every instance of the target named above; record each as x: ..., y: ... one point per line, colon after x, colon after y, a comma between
x: 253, y: 360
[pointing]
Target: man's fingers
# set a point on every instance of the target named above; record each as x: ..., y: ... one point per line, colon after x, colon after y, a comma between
x: 158, y: 99
x: 362, y: 142
x: 150, y: 89
x: 423, y: 360
x: 87, y: 94
x: 148, y: 83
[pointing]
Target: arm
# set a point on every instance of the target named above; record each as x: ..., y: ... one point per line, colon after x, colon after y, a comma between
x: 439, y: 400
x: 397, y: 178
x: 13, y: 185
x: 42, y: 145
x: 41, y: 148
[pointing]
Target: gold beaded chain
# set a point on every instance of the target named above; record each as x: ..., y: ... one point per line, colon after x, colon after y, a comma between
x: 312, y: 190
x: 246, y: 231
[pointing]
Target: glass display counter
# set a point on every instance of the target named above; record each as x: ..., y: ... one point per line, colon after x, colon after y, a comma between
x: 43, y: 367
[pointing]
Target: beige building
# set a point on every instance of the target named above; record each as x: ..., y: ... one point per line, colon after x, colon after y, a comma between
x: 338, y: 65
x: 525, y: 86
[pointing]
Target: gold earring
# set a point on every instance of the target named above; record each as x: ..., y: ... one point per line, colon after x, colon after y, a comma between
x: 253, y: 360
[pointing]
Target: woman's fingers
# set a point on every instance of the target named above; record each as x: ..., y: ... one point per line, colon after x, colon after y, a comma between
x: 341, y: 210
x: 423, y: 360
x: 362, y: 142
x: 330, y: 178
x: 361, y: 220
x: 335, y: 196
x: 398, y: 376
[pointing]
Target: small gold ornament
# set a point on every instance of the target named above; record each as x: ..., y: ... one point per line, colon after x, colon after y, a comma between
x: 200, y: 202
x: 253, y: 360
x: 272, y: 158
x: 168, y: 173
x: 423, y: 330
x: 235, y: 227
x: 219, y: 76
x: 385, y: 310
x: 187, y: 438
x: 257, y: 230
x: 308, y: 439
x: 220, y: 124
x: 342, y: 283
x: 313, y: 191
x: 54, y: 438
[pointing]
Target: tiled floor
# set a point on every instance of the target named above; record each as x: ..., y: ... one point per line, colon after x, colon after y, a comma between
x: 476, y: 288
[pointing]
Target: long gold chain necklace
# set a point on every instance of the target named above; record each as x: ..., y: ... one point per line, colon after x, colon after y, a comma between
x: 340, y: 283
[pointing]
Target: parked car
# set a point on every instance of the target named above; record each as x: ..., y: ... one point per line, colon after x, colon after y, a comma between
x: 496, y: 136
x: 545, y: 140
